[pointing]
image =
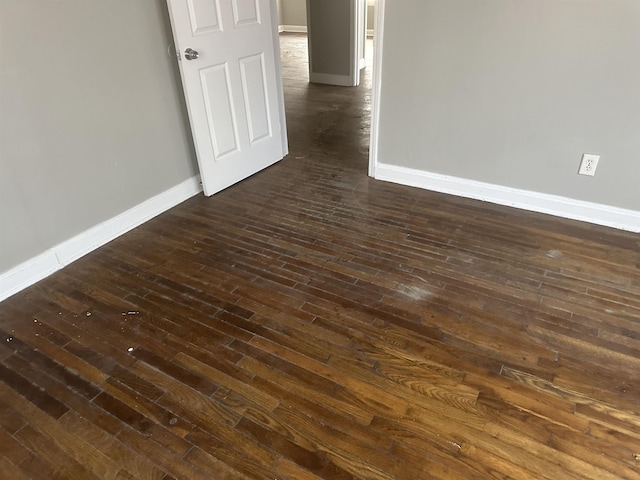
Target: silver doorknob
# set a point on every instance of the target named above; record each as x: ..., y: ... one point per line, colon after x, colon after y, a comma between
x: 191, y: 54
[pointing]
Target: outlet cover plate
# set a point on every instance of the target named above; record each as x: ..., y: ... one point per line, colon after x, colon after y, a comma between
x: 589, y: 164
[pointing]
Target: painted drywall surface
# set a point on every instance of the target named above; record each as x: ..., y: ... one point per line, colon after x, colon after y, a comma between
x: 280, y: 12
x: 294, y: 12
x: 92, y: 121
x: 514, y: 92
x: 371, y: 11
x: 329, y: 36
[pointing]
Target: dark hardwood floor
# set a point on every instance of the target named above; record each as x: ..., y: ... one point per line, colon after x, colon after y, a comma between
x: 311, y: 322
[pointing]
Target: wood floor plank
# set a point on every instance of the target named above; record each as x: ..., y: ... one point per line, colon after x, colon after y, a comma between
x: 241, y: 388
x: 284, y: 386
x: 52, y: 437
x: 210, y: 463
x: 65, y: 465
x: 292, y: 471
x: 188, y: 403
x: 250, y: 459
x: 8, y: 470
x: 163, y: 458
x: 129, y: 461
x: 13, y: 452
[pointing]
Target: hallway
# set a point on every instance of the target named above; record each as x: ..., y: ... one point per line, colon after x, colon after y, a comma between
x: 325, y: 118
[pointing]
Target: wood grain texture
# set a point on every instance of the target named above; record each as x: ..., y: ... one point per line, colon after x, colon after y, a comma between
x: 311, y: 323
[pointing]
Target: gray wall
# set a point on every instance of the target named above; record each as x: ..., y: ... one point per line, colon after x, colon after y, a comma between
x: 294, y: 12
x: 92, y: 119
x: 280, y: 12
x: 514, y: 92
x: 371, y: 11
x: 329, y: 36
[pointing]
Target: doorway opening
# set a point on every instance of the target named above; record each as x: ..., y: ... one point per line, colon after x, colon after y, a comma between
x: 325, y: 118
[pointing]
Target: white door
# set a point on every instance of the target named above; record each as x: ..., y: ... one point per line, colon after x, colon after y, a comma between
x: 231, y: 76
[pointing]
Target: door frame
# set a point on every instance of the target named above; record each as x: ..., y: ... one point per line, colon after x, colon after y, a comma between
x: 378, y: 37
x: 279, y: 85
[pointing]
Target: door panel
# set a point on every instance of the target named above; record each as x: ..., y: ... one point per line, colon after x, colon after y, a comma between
x: 233, y: 88
x: 204, y: 16
x: 245, y: 12
x: 219, y: 105
x: 255, y: 97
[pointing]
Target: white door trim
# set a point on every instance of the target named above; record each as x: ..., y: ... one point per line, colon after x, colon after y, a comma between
x: 279, y: 84
x: 378, y: 37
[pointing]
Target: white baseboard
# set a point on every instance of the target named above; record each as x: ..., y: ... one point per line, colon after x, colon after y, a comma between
x: 370, y: 32
x: 28, y: 273
x: 61, y: 255
x: 293, y: 28
x: 596, y: 213
x: 331, y: 79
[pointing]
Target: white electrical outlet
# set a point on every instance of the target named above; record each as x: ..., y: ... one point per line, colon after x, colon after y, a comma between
x: 589, y: 164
